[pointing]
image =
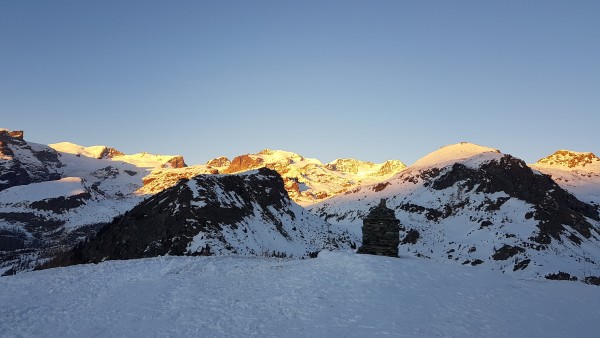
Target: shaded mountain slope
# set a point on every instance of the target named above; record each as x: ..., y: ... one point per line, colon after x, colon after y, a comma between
x: 248, y: 213
x: 474, y: 205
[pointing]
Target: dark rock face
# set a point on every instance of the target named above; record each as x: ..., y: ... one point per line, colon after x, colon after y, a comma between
x: 205, y: 206
x: 110, y: 153
x: 554, y: 207
x: 489, y: 209
x: 61, y: 204
x: 23, y: 163
x: 39, y: 237
x: 381, y: 232
x: 412, y: 236
x: 506, y: 252
x: 561, y: 276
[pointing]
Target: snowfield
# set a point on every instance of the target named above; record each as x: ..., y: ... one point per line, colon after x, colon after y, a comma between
x: 338, y: 294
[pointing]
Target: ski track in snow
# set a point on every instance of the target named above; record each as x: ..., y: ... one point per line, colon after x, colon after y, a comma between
x: 339, y: 294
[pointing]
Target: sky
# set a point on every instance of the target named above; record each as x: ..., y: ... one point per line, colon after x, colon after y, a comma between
x: 372, y: 80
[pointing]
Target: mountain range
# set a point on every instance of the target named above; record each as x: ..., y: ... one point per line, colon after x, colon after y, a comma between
x: 464, y: 204
x: 473, y: 205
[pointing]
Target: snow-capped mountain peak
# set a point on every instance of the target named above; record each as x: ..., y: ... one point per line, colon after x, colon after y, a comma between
x: 142, y: 160
x: 275, y: 155
x: 97, y: 152
x: 571, y: 160
x: 474, y: 205
x: 577, y: 172
x: 307, y: 180
x: 453, y: 153
x: 363, y: 168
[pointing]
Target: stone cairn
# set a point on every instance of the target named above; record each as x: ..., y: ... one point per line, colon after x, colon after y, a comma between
x: 381, y: 232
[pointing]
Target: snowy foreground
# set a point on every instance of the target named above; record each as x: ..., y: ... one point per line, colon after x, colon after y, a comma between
x: 338, y: 294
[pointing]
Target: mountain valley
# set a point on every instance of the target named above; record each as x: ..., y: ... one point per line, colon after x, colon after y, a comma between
x: 463, y: 204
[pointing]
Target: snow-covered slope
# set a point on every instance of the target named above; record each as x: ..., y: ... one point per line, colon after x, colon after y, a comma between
x: 92, y: 185
x: 307, y: 180
x: 474, y: 205
x: 53, y: 196
x: 93, y: 151
x: 453, y: 153
x: 335, y: 295
x: 576, y: 172
x: 248, y: 213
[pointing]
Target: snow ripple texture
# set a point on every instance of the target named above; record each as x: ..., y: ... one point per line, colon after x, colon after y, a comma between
x: 338, y: 294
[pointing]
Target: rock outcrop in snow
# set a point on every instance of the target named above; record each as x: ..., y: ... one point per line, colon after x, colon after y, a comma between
x: 576, y: 172
x: 572, y: 160
x: 464, y: 203
x: 98, y: 152
x: 307, y: 180
x: 249, y: 214
x: 474, y: 205
x: 23, y: 163
x: 51, y: 197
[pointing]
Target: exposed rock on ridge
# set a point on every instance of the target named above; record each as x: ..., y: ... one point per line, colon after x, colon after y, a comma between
x: 23, y: 163
x: 472, y: 205
x: 212, y: 214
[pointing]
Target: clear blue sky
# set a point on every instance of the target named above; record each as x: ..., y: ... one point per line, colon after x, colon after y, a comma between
x: 366, y: 79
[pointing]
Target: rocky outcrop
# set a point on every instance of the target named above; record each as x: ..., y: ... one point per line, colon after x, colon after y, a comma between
x: 17, y: 134
x: 576, y: 172
x: 243, y: 163
x: 554, y: 207
x: 108, y: 153
x: 391, y: 167
x: 175, y: 162
x: 569, y: 159
x: 24, y: 163
x: 219, y: 162
x: 473, y: 205
x: 347, y: 165
x: 307, y: 180
x: 212, y: 215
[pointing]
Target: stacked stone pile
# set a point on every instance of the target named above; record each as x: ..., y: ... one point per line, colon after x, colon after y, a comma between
x: 381, y: 232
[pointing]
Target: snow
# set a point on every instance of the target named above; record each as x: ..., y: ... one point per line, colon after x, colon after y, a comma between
x: 145, y: 160
x: 316, y: 180
x: 576, y: 172
x: 27, y: 158
x: 140, y: 160
x: 290, y: 231
x: 338, y: 294
x: 75, y: 149
x: 68, y: 186
x: 583, y: 184
x: 450, y: 239
x: 452, y: 153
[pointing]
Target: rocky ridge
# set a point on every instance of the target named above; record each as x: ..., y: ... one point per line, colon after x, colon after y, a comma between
x: 474, y: 205
x: 571, y: 160
x: 306, y: 180
x: 248, y: 214
x: 23, y: 163
x: 53, y: 196
x: 576, y: 172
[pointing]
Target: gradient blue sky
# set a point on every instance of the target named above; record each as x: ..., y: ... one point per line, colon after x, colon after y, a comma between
x: 372, y: 80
